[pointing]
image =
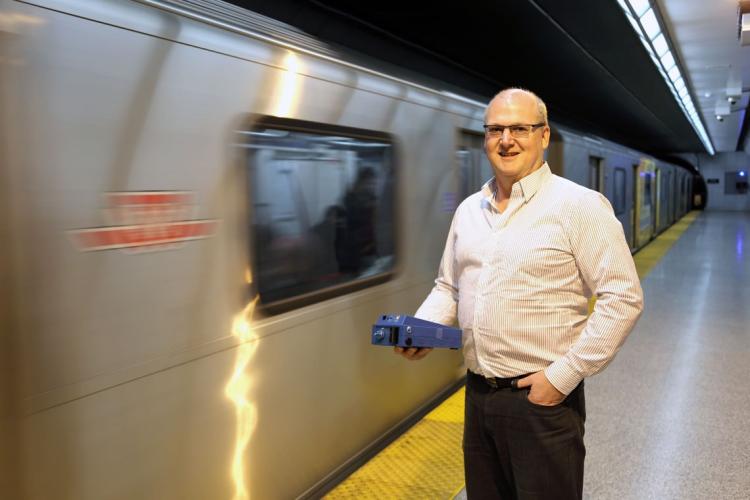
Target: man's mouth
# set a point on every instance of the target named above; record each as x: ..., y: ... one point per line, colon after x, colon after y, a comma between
x: 507, y: 154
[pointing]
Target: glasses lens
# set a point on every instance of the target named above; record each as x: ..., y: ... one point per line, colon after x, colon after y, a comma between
x: 519, y: 131
x: 516, y: 131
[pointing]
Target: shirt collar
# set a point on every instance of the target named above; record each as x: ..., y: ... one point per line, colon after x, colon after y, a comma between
x: 529, y: 185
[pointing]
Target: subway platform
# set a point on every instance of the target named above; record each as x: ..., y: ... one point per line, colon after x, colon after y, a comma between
x: 666, y: 420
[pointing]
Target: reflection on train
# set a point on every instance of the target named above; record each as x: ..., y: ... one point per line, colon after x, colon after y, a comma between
x: 166, y: 161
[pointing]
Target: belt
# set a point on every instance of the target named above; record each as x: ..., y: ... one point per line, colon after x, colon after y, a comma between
x: 497, y: 382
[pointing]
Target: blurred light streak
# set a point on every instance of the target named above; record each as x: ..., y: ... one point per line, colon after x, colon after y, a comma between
x: 237, y: 390
x: 288, y: 87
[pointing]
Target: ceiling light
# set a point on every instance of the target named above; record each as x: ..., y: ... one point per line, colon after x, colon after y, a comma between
x: 650, y: 24
x: 639, y: 6
x: 667, y: 60
x: 633, y: 22
x: 660, y: 45
x: 657, y: 45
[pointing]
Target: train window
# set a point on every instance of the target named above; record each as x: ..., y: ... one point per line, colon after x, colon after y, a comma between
x: 647, y: 189
x: 619, y: 191
x: 322, y: 210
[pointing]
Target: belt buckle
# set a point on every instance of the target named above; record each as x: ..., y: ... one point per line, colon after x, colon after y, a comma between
x: 492, y: 382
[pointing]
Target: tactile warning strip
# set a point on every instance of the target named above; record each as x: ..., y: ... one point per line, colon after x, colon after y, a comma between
x: 648, y: 256
x: 426, y: 462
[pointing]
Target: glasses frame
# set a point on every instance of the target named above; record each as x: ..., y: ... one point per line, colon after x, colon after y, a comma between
x: 529, y: 128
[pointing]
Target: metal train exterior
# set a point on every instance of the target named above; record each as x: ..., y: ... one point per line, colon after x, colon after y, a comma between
x: 164, y: 163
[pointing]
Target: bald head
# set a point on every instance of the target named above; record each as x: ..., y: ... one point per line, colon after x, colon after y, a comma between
x: 520, y: 96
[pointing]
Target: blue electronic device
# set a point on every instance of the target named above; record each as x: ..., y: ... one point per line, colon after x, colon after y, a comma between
x: 407, y: 331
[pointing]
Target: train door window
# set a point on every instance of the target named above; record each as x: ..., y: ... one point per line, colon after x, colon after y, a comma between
x: 595, y: 173
x: 322, y: 210
x: 619, y: 191
x: 647, y: 188
x: 472, y: 165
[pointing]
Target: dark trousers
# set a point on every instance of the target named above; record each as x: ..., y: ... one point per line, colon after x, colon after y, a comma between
x: 514, y: 449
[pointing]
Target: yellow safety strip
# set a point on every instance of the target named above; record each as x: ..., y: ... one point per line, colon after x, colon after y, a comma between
x: 424, y: 462
x: 648, y: 256
x: 427, y: 460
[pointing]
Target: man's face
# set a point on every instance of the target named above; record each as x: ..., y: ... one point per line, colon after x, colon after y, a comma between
x: 514, y: 158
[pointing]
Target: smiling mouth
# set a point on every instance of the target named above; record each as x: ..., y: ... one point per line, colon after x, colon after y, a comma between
x: 508, y: 154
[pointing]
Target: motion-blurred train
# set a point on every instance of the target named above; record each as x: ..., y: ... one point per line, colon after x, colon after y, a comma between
x: 204, y: 212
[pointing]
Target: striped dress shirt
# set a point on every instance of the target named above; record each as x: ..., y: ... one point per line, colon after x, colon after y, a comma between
x: 519, y: 281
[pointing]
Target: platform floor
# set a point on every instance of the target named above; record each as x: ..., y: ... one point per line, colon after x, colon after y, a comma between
x: 669, y: 418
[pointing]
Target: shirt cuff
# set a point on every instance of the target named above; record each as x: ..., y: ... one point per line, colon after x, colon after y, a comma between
x: 562, y: 376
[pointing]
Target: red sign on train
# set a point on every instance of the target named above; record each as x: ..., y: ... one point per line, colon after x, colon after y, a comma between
x: 145, y: 220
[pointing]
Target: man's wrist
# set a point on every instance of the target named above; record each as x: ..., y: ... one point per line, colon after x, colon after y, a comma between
x: 562, y: 377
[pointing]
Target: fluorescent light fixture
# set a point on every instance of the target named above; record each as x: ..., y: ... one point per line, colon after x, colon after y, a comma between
x: 648, y: 46
x: 650, y: 24
x: 648, y: 29
x: 639, y: 6
x: 660, y: 45
x: 634, y: 23
x: 667, y: 60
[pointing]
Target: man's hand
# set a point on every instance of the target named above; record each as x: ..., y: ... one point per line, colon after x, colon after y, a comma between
x: 542, y: 391
x: 413, y: 353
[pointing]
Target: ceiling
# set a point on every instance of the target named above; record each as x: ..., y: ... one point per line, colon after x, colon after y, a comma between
x: 705, y: 36
x: 583, y: 58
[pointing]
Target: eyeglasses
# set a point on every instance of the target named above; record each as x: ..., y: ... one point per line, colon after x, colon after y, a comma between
x: 518, y: 131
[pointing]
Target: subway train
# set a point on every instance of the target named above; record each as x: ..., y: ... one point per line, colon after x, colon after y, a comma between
x: 205, y: 211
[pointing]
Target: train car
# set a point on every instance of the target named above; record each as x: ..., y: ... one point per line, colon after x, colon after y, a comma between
x: 205, y: 212
x: 639, y: 188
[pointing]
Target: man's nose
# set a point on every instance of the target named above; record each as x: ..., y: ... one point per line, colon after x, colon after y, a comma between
x: 506, y: 139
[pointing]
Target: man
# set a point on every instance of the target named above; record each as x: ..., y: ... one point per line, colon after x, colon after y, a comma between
x: 522, y: 258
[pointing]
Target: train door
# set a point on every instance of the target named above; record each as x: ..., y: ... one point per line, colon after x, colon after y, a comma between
x: 669, y: 196
x: 643, y: 202
x: 683, y: 195
x: 472, y: 166
x: 620, y: 203
x: 656, y: 205
x: 635, y: 212
x: 596, y: 174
